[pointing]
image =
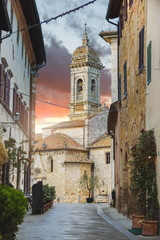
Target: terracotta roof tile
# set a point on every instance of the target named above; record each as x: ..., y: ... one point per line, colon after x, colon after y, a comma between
x: 58, y: 141
x: 77, y: 159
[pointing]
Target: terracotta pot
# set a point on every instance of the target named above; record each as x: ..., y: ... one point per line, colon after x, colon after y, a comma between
x: 150, y: 228
x: 137, y: 221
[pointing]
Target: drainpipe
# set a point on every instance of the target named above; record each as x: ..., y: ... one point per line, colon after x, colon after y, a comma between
x: 117, y: 44
x: 34, y: 71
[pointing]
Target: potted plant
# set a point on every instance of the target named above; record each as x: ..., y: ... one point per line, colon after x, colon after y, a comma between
x: 49, y: 195
x: 89, y: 183
x: 143, y: 181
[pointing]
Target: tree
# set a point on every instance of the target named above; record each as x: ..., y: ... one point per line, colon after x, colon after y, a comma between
x: 143, y: 175
x: 89, y: 183
x: 16, y: 156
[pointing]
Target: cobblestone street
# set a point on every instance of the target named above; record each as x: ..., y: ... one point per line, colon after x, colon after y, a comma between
x: 68, y: 222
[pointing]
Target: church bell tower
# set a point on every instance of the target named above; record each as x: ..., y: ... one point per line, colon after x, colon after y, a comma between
x: 85, y: 81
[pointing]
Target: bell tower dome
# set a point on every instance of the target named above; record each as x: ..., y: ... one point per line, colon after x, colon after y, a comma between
x: 85, y: 81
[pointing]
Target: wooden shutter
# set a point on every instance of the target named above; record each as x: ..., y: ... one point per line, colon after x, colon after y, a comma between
x: 7, y: 90
x: 14, y: 100
x: 1, y: 80
x: 141, y: 49
x: 125, y: 79
x: 149, y: 63
x: 125, y: 10
x: 119, y: 88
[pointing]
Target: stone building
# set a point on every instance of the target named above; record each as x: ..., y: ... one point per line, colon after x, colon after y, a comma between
x: 87, y: 128
x: 130, y: 110
x: 22, y: 54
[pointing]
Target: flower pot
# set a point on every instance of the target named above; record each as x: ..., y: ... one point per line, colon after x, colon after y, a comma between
x: 89, y: 200
x: 150, y: 228
x: 137, y: 221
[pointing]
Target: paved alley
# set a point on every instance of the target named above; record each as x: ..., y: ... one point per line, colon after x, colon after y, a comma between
x: 70, y: 222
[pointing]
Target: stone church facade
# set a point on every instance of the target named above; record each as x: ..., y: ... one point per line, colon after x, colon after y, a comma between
x: 68, y: 149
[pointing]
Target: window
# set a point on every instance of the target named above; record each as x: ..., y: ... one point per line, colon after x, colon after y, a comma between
x: 141, y: 49
x: 107, y: 158
x: 125, y: 79
x: 51, y: 165
x: 149, y: 63
x: 2, y: 81
x: 7, y: 89
x: 119, y: 88
x: 93, y: 86
x: 125, y: 10
x: 79, y: 89
x: 130, y: 3
x: 4, y: 85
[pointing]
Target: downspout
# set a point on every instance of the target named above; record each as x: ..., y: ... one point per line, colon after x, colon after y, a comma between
x: 117, y: 45
x: 34, y: 71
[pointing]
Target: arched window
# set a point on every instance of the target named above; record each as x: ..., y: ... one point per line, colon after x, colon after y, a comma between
x: 93, y: 88
x: 79, y: 89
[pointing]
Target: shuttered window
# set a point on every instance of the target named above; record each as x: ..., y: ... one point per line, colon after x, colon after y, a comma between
x: 141, y: 49
x: 14, y: 100
x: 149, y: 63
x: 7, y: 89
x: 125, y: 79
x: 2, y: 80
x: 119, y: 88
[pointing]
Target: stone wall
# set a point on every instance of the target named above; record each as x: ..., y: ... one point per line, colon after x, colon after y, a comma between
x: 132, y: 111
x: 65, y: 176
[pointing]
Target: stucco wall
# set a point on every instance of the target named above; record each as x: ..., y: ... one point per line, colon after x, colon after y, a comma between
x: 152, y: 96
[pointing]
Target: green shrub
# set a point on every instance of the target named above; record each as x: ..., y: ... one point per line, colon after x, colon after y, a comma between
x: 12, y: 210
x: 49, y: 193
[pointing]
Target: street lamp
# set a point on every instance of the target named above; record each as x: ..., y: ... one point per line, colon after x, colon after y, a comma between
x: 16, y: 117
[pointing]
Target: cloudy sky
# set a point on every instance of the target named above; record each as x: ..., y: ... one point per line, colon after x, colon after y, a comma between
x: 61, y: 38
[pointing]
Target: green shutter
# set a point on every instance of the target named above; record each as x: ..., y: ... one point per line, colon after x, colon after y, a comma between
x: 149, y: 63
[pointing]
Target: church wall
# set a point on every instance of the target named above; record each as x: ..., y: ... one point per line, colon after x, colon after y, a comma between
x: 73, y: 172
x: 65, y: 176
x: 97, y: 126
x: 55, y: 178
x: 75, y: 133
x: 101, y: 169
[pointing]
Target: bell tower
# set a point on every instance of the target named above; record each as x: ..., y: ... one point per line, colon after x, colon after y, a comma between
x: 85, y: 81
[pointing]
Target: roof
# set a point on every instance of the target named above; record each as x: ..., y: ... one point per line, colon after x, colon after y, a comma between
x: 77, y: 159
x: 103, y: 141
x: 32, y: 18
x: 4, y: 19
x: 108, y: 35
x: 68, y: 124
x: 58, y: 141
x: 113, y: 9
